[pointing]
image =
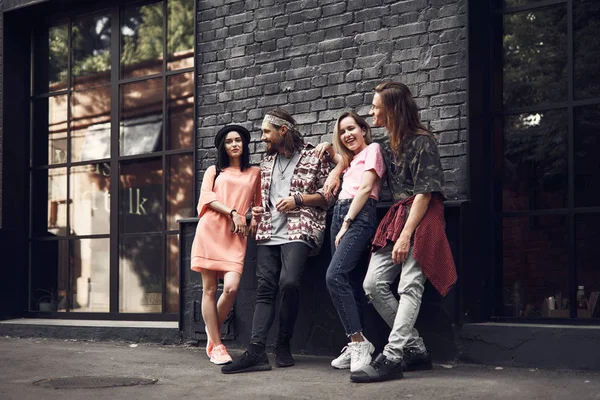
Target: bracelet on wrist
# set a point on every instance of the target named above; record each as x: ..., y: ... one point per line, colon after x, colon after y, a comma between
x: 231, y: 212
x: 298, y: 199
x: 348, y: 220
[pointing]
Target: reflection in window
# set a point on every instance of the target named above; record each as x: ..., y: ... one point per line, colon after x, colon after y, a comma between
x: 142, y: 40
x: 51, y: 130
x: 73, y: 150
x: 90, y: 275
x: 140, y: 197
x: 587, y: 232
x: 141, y: 117
x: 172, y: 302
x: 91, y: 51
x: 90, y: 124
x: 586, y: 32
x: 180, y: 202
x: 181, y: 111
x: 49, y: 263
x: 587, y: 163
x: 588, y: 274
x: 90, y: 199
x: 536, y: 264
x: 535, y: 57
x: 56, y: 201
x: 180, y: 39
x: 141, y: 273
x: 535, y: 161
x: 58, y: 59
x: 57, y: 130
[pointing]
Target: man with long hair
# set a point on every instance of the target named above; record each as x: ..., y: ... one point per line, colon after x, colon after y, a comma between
x: 291, y: 226
x: 410, y: 240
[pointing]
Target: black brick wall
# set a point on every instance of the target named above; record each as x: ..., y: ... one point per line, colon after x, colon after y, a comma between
x: 317, y: 58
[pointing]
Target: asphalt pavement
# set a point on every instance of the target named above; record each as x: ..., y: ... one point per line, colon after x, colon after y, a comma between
x: 43, y: 368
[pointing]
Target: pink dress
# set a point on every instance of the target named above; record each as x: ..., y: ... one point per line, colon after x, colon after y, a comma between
x: 215, y: 247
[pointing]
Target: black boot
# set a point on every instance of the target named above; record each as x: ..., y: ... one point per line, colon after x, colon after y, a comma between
x: 381, y: 369
x: 255, y: 359
x: 283, y: 355
x: 417, y: 361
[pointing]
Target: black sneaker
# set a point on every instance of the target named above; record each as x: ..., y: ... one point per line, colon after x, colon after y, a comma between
x: 252, y: 360
x: 417, y: 361
x: 381, y: 369
x: 283, y: 356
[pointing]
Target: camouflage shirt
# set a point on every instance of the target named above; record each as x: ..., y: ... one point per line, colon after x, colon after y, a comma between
x: 418, y: 171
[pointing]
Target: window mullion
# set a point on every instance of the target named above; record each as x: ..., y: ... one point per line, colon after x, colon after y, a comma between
x: 69, y: 293
x: 571, y: 165
x: 114, y: 160
x: 164, y: 157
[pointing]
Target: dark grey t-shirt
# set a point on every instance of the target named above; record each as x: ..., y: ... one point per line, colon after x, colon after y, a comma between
x: 418, y: 171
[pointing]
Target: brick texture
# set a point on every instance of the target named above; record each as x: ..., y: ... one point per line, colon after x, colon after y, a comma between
x: 319, y: 58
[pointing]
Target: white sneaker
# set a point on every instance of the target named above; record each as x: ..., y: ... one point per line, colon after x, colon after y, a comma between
x: 343, y: 360
x: 360, y: 353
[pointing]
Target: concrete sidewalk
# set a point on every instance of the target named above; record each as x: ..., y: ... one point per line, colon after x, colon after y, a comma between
x: 185, y: 372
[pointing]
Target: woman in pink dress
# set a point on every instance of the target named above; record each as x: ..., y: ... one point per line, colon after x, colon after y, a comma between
x: 229, y: 189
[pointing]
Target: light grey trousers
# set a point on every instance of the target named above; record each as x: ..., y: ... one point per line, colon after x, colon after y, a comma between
x: 399, y: 315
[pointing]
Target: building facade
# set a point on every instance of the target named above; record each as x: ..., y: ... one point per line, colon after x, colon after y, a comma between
x: 109, y: 112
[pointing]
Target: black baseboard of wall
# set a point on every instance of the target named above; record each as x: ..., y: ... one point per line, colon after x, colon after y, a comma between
x: 531, y: 345
x: 136, y: 334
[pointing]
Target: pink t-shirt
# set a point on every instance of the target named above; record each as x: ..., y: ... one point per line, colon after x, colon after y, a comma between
x: 368, y: 159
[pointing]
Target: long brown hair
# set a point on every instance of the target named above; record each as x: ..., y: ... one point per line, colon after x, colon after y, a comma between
x: 337, y: 141
x: 401, y: 112
x: 293, y: 140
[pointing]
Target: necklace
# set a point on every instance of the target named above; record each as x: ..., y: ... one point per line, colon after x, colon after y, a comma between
x: 282, y: 171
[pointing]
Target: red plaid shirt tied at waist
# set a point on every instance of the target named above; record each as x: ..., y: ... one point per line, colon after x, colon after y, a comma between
x: 430, y: 248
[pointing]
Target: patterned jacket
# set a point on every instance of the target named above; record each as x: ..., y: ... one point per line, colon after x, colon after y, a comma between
x: 306, y: 222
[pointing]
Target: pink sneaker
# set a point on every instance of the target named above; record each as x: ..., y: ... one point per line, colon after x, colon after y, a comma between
x: 220, y: 356
x: 209, y: 345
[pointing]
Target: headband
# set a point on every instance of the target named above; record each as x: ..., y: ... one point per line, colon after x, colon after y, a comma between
x: 273, y: 120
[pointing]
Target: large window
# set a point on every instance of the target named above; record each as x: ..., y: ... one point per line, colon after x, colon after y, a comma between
x: 112, y: 158
x: 546, y: 111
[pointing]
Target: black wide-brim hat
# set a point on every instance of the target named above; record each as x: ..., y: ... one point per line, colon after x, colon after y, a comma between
x: 231, y: 128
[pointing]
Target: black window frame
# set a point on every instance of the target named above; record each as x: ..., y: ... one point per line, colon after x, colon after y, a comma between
x: 115, y: 9
x: 492, y: 97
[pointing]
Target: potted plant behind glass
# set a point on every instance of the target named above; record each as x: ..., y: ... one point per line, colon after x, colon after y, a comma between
x: 47, y: 300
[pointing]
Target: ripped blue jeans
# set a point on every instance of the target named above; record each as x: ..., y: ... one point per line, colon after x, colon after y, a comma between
x: 345, y: 294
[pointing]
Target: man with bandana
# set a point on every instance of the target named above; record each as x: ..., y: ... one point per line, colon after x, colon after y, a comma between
x: 291, y: 226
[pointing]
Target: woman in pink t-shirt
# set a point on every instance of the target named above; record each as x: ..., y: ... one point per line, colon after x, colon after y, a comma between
x: 353, y: 226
